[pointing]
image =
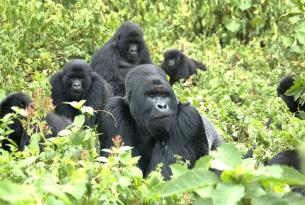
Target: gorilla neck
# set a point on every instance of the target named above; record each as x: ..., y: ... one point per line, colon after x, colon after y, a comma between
x: 125, y: 66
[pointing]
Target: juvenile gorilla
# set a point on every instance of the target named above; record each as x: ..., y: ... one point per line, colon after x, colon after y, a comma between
x: 19, y: 135
x: 125, y: 50
x: 78, y: 82
x: 179, y: 66
x: 285, y: 84
x: 155, y: 124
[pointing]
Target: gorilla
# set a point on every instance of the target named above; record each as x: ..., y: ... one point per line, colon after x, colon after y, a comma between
x: 152, y: 121
x: 291, y: 158
x: 179, y: 66
x: 285, y: 84
x: 19, y: 135
x: 78, y: 82
x: 125, y: 50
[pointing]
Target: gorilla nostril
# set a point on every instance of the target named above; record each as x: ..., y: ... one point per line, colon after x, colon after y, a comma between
x: 161, y: 106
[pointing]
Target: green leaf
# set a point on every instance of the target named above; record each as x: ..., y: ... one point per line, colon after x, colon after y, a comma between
x: 233, y: 25
x: 76, y: 105
x: 204, y: 202
x: 228, y: 194
x: 287, y: 41
x: 191, y: 180
x: 79, y: 120
x: 87, y: 109
x: 300, y: 27
x: 12, y: 193
x: 227, y: 157
x: 245, y: 4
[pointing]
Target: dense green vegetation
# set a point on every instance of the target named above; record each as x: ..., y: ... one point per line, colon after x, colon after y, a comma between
x: 248, y: 46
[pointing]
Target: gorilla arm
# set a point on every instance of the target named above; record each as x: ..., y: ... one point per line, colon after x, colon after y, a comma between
x: 187, y: 139
x: 116, y: 120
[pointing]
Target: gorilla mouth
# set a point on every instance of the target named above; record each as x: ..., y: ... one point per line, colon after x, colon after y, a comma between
x: 162, y: 116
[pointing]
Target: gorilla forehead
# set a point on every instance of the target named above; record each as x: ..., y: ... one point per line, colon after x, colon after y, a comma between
x: 172, y: 53
x: 145, y: 74
x: 77, y: 66
x: 130, y: 29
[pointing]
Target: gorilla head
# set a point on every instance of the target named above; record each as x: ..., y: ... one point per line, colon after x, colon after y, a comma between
x: 78, y: 82
x: 76, y: 77
x: 20, y: 100
x: 172, y: 59
x: 125, y: 50
x: 130, y: 41
x: 178, y: 66
x: 154, y: 99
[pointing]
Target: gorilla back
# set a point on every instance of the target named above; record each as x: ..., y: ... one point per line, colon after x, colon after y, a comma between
x: 78, y: 82
x: 151, y: 120
x: 125, y: 50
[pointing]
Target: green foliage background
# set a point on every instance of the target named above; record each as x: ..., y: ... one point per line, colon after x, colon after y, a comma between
x: 248, y: 46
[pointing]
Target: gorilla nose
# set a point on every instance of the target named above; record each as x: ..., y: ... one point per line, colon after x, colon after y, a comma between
x: 162, y: 107
x: 133, y: 51
x: 171, y: 63
x: 77, y: 85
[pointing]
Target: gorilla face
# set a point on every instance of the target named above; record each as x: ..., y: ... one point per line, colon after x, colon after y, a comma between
x: 130, y: 42
x: 77, y: 79
x: 172, y: 58
x: 130, y: 47
x: 153, y: 105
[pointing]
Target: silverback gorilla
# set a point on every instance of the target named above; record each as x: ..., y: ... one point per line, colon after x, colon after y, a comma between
x: 125, y: 50
x: 19, y: 135
x: 178, y: 66
x: 285, y: 84
x: 78, y: 82
x: 151, y: 120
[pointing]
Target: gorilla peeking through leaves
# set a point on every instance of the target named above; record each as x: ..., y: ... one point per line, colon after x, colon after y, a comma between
x: 285, y: 84
x: 178, y: 66
x: 19, y: 136
x: 291, y: 158
x: 78, y: 82
x: 125, y: 50
x: 155, y: 123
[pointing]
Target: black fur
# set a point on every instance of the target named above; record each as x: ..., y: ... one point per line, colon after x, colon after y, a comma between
x: 285, y: 84
x: 19, y: 136
x: 112, y: 61
x: 94, y: 89
x: 178, y: 66
x: 292, y: 159
x: 151, y: 120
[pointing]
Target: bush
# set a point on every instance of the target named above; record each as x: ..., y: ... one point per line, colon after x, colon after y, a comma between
x: 248, y: 46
